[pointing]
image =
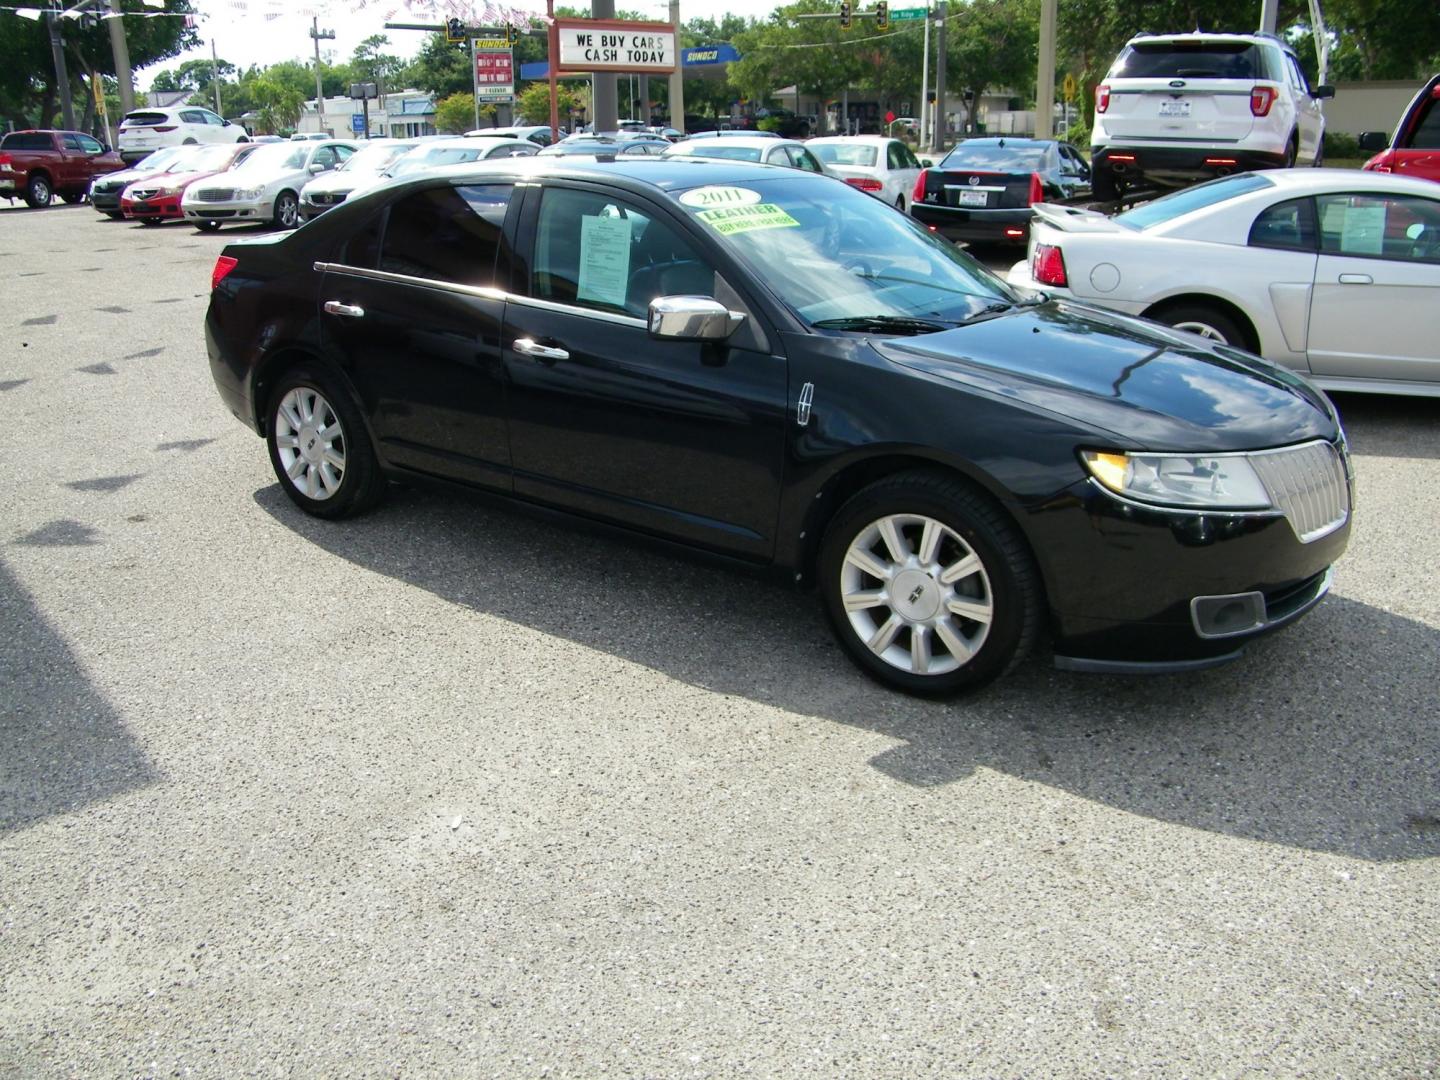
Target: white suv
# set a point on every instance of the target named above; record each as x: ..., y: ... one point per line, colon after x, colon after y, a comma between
x: 1176, y: 108
x: 147, y: 130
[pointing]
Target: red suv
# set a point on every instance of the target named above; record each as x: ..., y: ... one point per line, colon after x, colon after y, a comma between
x: 1416, y: 149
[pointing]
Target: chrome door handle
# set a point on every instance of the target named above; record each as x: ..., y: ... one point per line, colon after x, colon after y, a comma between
x: 1356, y: 279
x: 529, y: 347
x: 334, y: 307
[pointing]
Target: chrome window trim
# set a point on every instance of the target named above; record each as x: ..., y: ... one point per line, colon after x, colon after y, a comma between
x: 484, y: 292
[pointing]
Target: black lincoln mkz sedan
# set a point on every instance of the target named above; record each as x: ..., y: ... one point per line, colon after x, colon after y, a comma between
x: 773, y: 367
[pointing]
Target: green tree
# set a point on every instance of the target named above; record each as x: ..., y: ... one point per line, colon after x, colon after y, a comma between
x: 992, y: 44
x: 440, y: 68
x: 455, y: 114
x: 814, y: 54
x: 277, y: 104
x: 533, y: 103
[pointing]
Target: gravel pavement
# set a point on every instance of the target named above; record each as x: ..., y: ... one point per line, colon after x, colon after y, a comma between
x: 448, y: 791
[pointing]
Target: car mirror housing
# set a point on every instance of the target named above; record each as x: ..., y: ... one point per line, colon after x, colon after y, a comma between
x: 926, y: 163
x: 316, y: 169
x: 692, y: 318
x: 1323, y: 91
x: 1374, y: 141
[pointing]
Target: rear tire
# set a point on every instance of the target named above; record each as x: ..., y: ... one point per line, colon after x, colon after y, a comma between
x: 1292, y: 151
x: 928, y: 585
x: 319, y: 446
x: 1209, y: 322
x: 38, y: 192
x: 1104, y: 186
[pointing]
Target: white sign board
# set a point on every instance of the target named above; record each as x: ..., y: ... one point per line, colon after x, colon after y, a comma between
x: 612, y: 45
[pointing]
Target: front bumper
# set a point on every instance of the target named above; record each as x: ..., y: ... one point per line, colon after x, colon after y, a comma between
x: 312, y: 206
x: 1136, y: 589
x: 233, y: 210
x: 982, y: 226
x: 1184, y: 164
x: 162, y: 206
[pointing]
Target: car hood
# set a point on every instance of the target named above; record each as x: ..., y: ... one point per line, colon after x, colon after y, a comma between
x: 1147, y: 386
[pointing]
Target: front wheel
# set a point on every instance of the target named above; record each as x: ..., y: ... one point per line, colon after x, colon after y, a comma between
x: 207, y: 226
x: 287, y: 210
x: 319, y: 448
x: 928, y: 586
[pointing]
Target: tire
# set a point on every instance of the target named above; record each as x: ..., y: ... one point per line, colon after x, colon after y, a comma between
x: 287, y: 210
x: 207, y: 226
x: 1292, y: 151
x: 1209, y: 322
x: 319, y: 447
x: 72, y: 199
x: 114, y: 215
x: 1103, y: 186
x: 922, y: 640
x: 38, y: 192
x: 190, y: 142
x: 900, y: 203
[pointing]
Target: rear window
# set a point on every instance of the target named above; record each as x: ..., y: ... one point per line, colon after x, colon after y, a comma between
x: 1198, y: 197
x: 838, y: 154
x: 996, y: 158
x: 143, y: 119
x: 27, y: 140
x: 732, y: 153
x: 1194, y: 60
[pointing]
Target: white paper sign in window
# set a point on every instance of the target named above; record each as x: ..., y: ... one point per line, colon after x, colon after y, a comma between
x: 604, y: 260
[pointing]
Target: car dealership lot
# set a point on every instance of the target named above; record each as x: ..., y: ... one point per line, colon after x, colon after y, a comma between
x: 449, y: 790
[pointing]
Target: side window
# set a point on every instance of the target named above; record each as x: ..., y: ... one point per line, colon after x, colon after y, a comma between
x: 804, y: 159
x: 911, y: 161
x: 211, y: 118
x: 623, y: 259
x: 1289, y: 225
x: 192, y: 116
x: 1400, y: 227
x: 778, y: 156
x: 90, y: 146
x: 72, y: 142
x: 894, y: 156
x: 324, y: 156
x: 1426, y: 133
x: 1298, y: 76
x: 363, y: 247
x: 343, y: 153
x: 447, y: 233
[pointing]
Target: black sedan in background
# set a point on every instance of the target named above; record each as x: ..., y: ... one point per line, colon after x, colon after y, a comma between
x: 983, y: 189
x: 772, y: 367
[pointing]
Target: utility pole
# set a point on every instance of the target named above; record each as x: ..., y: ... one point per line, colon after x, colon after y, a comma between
x: 215, y: 75
x: 940, y: 130
x: 318, y: 35
x: 677, y: 78
x: 1269, y: 15
x: 62, y: 77
x: 121, y: 50
x: 604, y: 93
x: 925, y: 84
x: 1045, y: 76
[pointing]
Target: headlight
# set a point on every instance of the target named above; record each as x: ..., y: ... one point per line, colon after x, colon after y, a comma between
x: 249, y: 193
x: 1211, y: 481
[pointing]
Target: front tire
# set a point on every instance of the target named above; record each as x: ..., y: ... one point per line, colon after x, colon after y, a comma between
x: 207, y: 226
x: 287, y: 210
x: 928, y: 585
x: 319, y: 447
x: 38, y: 192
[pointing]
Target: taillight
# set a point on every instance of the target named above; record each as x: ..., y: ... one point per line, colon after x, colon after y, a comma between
x: 1048, y: 265
x: 864, y: 183
x: 1102, y: 98
x: 5, y: 160
x: 166, y: 127
x: 918, y: 195
x: 1261, y: 98
x: 223, y: 265
x: 1037, y: 189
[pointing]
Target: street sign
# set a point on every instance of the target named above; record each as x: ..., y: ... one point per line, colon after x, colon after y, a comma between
x: 494, y: 74
x: 357, y: 123
x: 903, y: 14
x: 1070, y: 87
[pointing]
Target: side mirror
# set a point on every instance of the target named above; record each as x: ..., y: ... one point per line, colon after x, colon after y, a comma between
x: 1325, y: 90
x: 226, y: 122
x: 1374, y: 141
x: 316, y: 169
x: 926, y: 163
x: 692, y: 318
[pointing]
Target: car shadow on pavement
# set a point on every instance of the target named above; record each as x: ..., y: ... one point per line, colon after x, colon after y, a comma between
x: 62, y: 745
x: 1386, y: 425
x: 1322, y: 738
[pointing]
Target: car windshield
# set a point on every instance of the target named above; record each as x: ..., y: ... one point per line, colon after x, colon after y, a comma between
x: 372, y: 157
x: 843, y: 154
x: 997, y: 157
x: 704, y: 149
x: 842, y: 259
x: 210, y: 159
x: 1151, y: 214
x: 276, y: 157
x: 161, y: 159
x: 1192, y: 60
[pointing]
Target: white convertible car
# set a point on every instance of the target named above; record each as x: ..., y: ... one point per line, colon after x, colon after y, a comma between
x: 1333, y: 272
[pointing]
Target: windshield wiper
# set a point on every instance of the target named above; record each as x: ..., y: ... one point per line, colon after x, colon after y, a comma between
x: 988, y: 310
x: 883, y: 324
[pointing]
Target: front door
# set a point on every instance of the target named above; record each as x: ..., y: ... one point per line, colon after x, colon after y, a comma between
x: 412, y: 303
x: 680, y: 439
x: 1375, y: 309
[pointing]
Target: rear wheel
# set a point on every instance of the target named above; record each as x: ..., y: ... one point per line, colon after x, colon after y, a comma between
x: 319, y: 448
x: 1209, y: 322
x: 1292, y: 151
x: 38, y: 192
x: 928, y: 586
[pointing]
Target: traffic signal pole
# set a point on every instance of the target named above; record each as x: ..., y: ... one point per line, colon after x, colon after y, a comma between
x: 1045, y: 74
x: 941, y: 126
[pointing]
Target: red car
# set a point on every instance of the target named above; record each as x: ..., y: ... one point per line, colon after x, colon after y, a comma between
x: 1416, y: 149
x: 157, y: 198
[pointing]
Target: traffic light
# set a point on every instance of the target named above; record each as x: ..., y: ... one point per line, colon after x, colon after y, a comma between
x: 512, y: 35
x: 844, y: 14
x: 455, y: 31
x: 882, y: 15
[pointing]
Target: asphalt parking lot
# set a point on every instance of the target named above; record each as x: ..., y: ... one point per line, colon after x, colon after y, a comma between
x: 451, y: 791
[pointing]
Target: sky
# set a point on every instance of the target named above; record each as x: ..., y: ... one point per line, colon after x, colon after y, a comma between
x: 267, y: 31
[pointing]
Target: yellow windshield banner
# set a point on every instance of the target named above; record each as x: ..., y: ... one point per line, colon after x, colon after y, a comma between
x: 727, y: 220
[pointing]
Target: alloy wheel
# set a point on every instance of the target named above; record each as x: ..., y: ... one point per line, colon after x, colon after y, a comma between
x: 310, y: 442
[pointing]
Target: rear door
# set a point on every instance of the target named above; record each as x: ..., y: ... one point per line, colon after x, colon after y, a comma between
x: 1184, y: 91
x: 412, y: 303
x: 1375, y: 311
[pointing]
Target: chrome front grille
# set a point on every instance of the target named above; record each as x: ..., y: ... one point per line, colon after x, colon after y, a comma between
x: 141, y: 194
x: 215, y: 195
x: 1308, y: 483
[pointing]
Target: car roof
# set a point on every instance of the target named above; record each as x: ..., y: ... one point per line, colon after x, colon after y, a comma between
x: 1202, y: 36
x: 1297, y: 182
x: 764, y: 141
x: 851, y: 140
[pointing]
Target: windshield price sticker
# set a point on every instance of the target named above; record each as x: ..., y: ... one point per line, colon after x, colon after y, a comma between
x: 727, y: 220
x: 706, y: 197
